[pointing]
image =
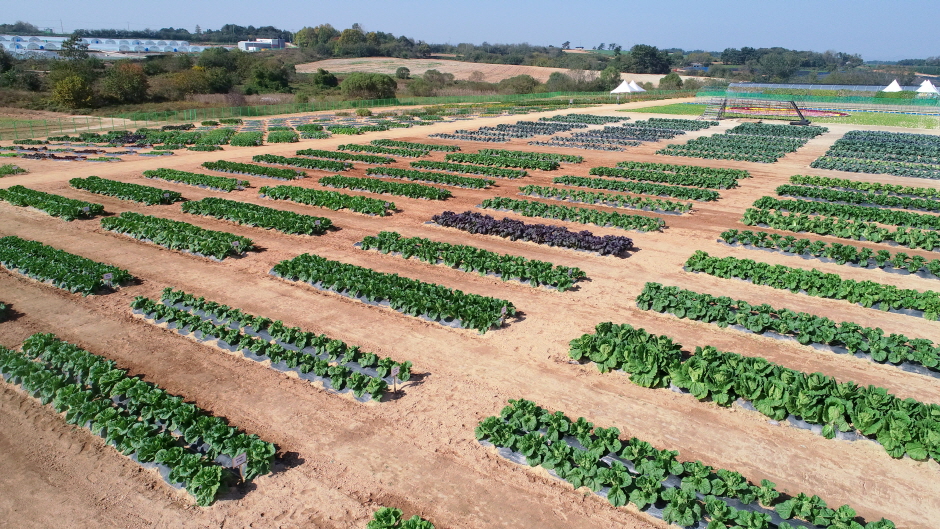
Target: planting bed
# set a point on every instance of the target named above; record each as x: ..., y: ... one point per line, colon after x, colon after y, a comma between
x: 417, y: 451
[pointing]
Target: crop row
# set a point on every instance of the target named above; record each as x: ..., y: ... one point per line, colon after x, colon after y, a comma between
x: 328, y: 199
x: 434, y: 178
x: 761, y: 149
x: 247, y: 139
x: 260, y: 216
x: 410, y: 296
x: 502, y: 161
x: 816, y: 283
x: 688, y: 193
x: 306, y: 163
x: 871, y: 187
x: 901, y: 154
x: 219, y: 183
x: 381, y: 186
x: 55, y: 205
x: 60, y: 268
x: 843, y: 228
x: 806, y: 328
x: 512, y: 229
x: 283, y: 136
x: 862, y: 166
x: 405, y: 153
x: 533, y: 155
x: 530, y: 208
x: 840, y: 253
x: 311, y: 365
x: 415, y: 146
x: 901, y: 426
x: 681, y: 124
x: 345, y: 156
x: 254, y: 170
x: 391, y: 518
x: 483, y: 170
x: 589, y: 119
x: 472, y: 259
x: 177, y: 235
x: 605, y: 199
x: 139, y: 419
x: 687, y: 494
x: 10, y: 169
x: 702, y: 181
x: 777, y: 131
x: 729, y: 175
x: 858, y: 197
x: 850, y: 212
x: 126, y: 191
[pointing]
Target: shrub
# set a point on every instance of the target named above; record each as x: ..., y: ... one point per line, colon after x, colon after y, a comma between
x: 363, y: 112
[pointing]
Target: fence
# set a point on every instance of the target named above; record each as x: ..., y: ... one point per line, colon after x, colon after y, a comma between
x: 17, y: 130
x: 929, y: 106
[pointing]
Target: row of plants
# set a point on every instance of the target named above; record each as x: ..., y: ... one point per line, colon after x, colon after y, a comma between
x: 761, y: 149
x: 204, y: 148
x: 404, y: 153
x: 218, y: 183
x: 851, y: 212
x: 410, y: 296
x: 605, y: 199
x: 177, y: 235
x: 328, y: 199
x: 309, y: 365
x: 283, y: 136
x: 260, y: 216
x: 126, y: 191
x: 839, y: 253
x: 681, y: 124
x: 550, y: 235
x: 139, y: 419
x: 533, y: 155
x: 60, y: 268
x: 632, y: 471
x: 497, y: 172
x: 777, y: 131
x: 473, y: 259
x: 902, y: 426
x: 431, y: 177
x: 391, y: 518
x: 322, y: 345
x: 10, y: 169
x: 701, y: 181
x: 380, y: 186
x: 415, y: 146
x: 306, y: 163
x: 817, y: 283
x: 589, y: 119
x: 345, y: 156
x: 808, y: 329
x: 343, y: 129
x: 688, y: 193
x: 55, y: 205
x: 875, y: 188
x: 247, y: 139
x: 216, y: 137
x: 852, y: 165
x: 531, y: 208
x: 858, y: 197
x: 254, y: 170
x: 843, y: 228
x: 502, y: 161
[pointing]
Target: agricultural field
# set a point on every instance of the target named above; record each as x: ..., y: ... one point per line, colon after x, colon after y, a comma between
x: 411, y: 330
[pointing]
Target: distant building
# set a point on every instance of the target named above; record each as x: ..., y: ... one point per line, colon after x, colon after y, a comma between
x: 261, y: 44
x: 26, y: 44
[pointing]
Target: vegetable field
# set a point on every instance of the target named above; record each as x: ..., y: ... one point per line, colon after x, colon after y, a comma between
x: 458, y: 325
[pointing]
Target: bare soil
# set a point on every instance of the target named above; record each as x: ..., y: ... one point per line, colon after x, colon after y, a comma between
x: 339, y: 460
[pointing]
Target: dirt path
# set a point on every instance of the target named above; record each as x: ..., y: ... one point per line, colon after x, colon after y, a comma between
x: 418, y: 453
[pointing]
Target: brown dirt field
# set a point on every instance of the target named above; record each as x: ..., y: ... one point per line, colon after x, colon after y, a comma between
x: 341, y: 459
x: 492, y: 73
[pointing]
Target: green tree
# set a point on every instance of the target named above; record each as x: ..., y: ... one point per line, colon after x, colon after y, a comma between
x: 566, y: 45
x: 779, y: 66
x: 126, y: 82
x: 324, y: 79
x: 649, y: 59
x: 270, y: 76
x: 420, y: 88
x: 6, y: 61
x: 559, y: 82
x: 520, y: 84
x: 72, y: 92
x: 610, y: 78
x: 402, y: 72
x: 438, y: 79
x: 361, y: 85
x: 671, y: 81
x: 74, y: 49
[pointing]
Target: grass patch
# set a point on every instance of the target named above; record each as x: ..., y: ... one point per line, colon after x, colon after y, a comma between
x: 680, y: 109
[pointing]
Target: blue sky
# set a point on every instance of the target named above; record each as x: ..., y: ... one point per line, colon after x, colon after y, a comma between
x: 878, y: 30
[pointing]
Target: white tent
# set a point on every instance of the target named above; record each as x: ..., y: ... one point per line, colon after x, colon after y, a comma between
x: 928, y: 88
x: 624, y: 88
x: 893, y: 87
x: 635, y: 87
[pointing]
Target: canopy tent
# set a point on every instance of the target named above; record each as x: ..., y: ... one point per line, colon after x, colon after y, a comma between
x: 928, y: 88
x: 893, y: 87
x: 624, y: 88
x: 635, y: 87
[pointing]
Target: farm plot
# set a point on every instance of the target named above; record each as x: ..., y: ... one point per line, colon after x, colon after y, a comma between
x: 748, y: 142
x: 338, y: 452
x: 894, y: 153
x: 616, y: 138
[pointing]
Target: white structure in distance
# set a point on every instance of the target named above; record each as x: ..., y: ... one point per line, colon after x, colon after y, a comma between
x: 26, y: 44
x: 261, y: 44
